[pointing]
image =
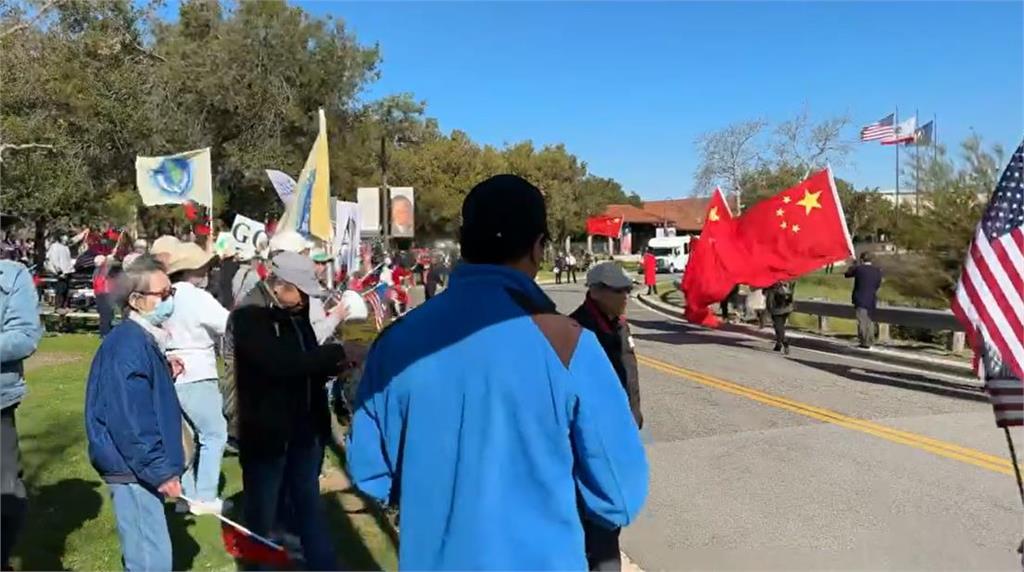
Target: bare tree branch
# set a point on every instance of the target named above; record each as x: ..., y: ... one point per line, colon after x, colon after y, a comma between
x: 39, y: 14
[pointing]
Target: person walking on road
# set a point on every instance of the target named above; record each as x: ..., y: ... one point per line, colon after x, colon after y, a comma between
x: 196, y: 326
x: 281, y: 374
x: 867, y: 279
x: 435, y: 277
x: 650, y: 272
x: 491, y: 419
x: 133, y: 419
x: 603, y: 312
x: 20, y: 332
x: 779, y: 297
x: 757, y: 304
x: 559, y: 267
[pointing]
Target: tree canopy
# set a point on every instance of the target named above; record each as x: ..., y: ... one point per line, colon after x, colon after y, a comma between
x: 87, y: 85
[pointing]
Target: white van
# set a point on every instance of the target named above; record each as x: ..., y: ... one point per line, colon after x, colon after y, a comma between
x: 671, y: 252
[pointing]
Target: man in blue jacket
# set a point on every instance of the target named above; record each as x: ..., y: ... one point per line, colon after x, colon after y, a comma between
x: 489, y: 418
x: 19, y: 336
x: 867, y: 279
x: 133, y: 419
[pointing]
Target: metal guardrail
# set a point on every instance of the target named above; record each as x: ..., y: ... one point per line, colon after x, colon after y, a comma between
x: 886, y: 316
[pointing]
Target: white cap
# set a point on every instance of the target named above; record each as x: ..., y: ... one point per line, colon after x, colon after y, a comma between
x: 288, y: 241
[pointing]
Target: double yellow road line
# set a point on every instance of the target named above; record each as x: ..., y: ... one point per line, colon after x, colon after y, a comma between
x: 935, y: 446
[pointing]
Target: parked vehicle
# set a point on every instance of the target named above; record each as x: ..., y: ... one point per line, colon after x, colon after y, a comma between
x: 671, y: 252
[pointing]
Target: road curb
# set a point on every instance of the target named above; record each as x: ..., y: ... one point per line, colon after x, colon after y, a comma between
x: 810, y: 341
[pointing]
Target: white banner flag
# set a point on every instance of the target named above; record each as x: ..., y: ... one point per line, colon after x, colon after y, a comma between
x: 346, y: 234
x: 175, y: 179
x: 283, y: 184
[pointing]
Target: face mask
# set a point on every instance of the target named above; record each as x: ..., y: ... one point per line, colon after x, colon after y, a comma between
x: 160, y: 313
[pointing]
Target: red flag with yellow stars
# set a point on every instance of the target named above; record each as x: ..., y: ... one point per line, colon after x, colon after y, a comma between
x: 714, y: 262
x: 795, y: 232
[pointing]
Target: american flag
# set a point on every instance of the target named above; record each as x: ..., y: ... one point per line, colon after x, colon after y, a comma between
x: 989, y: 295
x: 881, y: 129
x: 375, y: 298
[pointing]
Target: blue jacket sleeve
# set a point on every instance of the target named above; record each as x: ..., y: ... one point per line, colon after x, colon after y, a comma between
x: 21, y: 330
x: 611, y: 467
x: 368, y: 463
x: 133, y: 421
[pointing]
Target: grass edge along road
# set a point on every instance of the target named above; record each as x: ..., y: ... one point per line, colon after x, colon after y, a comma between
x: 934, y: 446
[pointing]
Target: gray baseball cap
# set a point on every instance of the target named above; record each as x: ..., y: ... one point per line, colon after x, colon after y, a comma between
x: 297, y: 270
x: 608, y: 274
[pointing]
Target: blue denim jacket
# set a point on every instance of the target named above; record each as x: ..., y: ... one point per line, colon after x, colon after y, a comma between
x: 20, y: 329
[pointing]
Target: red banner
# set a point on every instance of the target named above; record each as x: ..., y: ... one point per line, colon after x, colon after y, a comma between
x: 602, y: 225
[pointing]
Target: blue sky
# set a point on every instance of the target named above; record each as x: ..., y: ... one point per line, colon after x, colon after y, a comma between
x: 629, y: 86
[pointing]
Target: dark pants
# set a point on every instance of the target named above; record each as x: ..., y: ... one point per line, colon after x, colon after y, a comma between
x: 558, y: 277
x: 652, y: 288
x: 296, y: 472
x: 571, y: 275
x: 429, y: 290
x: 13, y: 500
x: 61, y: 290
x: 779, y: 322
x: 865, y: 328
x: 105, y: 306
x: 602, y: 547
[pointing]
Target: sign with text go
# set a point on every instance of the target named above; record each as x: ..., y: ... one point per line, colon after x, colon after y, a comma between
x: 250, y: 236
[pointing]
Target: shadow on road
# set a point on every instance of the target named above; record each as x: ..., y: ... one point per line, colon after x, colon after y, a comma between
x: 902, y: 380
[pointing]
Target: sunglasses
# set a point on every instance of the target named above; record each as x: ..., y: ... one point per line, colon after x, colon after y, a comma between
x: 625, y: 290
x: 163, y: 295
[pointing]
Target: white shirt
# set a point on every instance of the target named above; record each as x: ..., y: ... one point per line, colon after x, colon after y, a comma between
x: 387, y: 276
x: 571, y: 260
x: 198, y: 320
x: 58, y: 259
x: 324, y: 324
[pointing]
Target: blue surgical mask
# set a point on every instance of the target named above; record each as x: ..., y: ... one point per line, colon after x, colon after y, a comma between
x: 160, y: 313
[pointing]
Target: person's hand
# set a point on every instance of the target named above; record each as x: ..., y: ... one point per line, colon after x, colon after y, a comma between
x: 177, y: 366
x: 171, y: 489
x: 340, y: 311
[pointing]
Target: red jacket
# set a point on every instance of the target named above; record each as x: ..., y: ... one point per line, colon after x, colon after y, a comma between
x: 650, y: 269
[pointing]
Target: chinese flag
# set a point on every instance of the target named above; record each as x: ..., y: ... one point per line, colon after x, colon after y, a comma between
x: 715, y: 260
x: 601, y: 225
x: 795, y: 232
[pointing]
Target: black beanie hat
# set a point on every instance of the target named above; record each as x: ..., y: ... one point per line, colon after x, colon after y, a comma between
x: 501, y: 220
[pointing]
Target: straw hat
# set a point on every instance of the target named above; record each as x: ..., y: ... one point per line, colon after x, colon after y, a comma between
x: 166, y: 244
x: 188, y: 256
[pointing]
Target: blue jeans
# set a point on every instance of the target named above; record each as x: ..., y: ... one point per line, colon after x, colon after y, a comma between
x: 141, y: 526
x: 295, y: 472
x: 201, y: 403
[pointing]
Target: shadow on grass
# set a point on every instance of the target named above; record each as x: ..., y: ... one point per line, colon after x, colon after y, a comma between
x: 55, y: 512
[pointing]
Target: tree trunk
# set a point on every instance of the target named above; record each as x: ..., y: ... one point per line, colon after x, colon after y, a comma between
x: 40, y: 239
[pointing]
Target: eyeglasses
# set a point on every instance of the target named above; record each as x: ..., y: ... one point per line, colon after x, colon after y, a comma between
x: 165, y: 294
x: 625, y: 290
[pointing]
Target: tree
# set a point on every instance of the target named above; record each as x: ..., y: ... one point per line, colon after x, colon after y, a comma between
x: 727, y: 155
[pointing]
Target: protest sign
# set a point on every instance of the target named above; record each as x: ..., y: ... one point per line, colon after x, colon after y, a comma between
x: 346, y: 234
x: 249, y: 236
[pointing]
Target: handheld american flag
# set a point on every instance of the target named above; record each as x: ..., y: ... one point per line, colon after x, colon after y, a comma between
x: 375, y: 298
x: 988, y: 299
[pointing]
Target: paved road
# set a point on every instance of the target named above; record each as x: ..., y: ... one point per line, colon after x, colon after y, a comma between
x: 759, y: 461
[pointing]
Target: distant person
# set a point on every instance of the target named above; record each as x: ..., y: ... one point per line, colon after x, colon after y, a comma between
x: 195, y: 329
x: 60, y: 264
x: 604, y: 313
x: 559, y: 267
x: 164, y: 247
x: 757, y: 304
x: 20, y: 332
x: 281, y: 374
x: 492, y: 420
x: 133, y: 419
x: 229, y: 265
x: 867, y: 279
x: 435, y: 277
x: 102, y: 287
x: 779, y: 298
x: 650, y: 272
x: 138, y: 249
x: 570, y: 265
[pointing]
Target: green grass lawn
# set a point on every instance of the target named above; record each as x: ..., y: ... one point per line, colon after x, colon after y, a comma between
x: 70, y: 525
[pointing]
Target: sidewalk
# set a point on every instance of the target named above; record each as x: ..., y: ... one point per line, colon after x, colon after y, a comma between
x: 808, y: 340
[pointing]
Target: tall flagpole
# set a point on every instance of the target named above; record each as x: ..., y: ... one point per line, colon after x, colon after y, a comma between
x: 897, y: 125
x: 935, y: 137
x: 917, y: 171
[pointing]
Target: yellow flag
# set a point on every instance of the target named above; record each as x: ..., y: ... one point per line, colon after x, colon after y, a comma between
x: 310, y: 211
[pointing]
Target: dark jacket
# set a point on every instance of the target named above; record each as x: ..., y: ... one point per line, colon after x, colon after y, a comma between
x: 779, y: 298
x: 867, y: 279
x: 280, y: 373
x: 132, y: 415
x: 617, y: 342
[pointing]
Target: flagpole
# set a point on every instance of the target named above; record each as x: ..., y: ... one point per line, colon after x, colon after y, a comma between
x: 896, y: 118
x: 917, y: 171
x: 935, y: 137
x: 1016, y: 467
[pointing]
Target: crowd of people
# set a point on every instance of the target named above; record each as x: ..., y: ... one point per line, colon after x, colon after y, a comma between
x: 520, y: 484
